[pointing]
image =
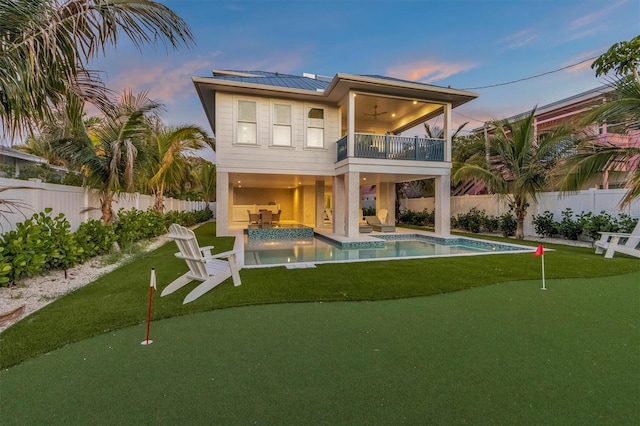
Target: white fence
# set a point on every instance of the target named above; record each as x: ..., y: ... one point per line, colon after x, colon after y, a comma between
x: 76, y: 203
x: 591, y: 200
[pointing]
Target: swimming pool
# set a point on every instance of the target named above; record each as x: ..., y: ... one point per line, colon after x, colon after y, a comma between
x: 389, y: 247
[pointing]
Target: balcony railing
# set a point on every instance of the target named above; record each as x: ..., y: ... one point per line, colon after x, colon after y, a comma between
x: 393, y: 147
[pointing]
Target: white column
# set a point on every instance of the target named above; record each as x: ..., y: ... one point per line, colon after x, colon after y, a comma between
x: 447, y: 132
x: 222, y: 203
x: 391, y: 203
x: 443, y: 205
x: 352, y: 184
x: 319, y: 203
x: 351, y: 124
x: 339, y: 204
x: 386, y: 199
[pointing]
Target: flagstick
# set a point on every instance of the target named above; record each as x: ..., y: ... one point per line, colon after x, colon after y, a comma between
x: 544, y: 287
x: 152, y: 285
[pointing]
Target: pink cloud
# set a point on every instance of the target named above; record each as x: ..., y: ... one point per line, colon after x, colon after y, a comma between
x: 164, y: 82
x: 584, y: 66
x: 428, y: 71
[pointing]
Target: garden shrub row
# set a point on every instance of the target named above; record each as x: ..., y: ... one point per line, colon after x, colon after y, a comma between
x: 44, y: 243
x: 584, y: 225
x: 474, y: 221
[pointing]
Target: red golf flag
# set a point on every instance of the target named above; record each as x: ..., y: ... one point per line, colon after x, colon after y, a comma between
x: 539, y: 251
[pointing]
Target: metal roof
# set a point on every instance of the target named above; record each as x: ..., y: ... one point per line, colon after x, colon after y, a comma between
x: 273, y: 79
x: 399, y: 80
x: 304, y: 82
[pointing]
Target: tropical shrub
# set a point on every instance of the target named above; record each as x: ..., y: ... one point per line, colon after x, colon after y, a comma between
x: 544, y: 224
x: 134, y: 225
x: 369, y: 211
x: 570, y: 228
x: 471, y: 221
x: 592, y: 225
x: 64, y: 252
x: 491, y: 224
x: 95, y: 238
x: 187, y: 218
x: 508, y: 224
x: 26, y: 250
x: 5, y: 268
x: 626, y: 223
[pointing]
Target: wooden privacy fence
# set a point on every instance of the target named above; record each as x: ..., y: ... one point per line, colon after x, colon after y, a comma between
x: 591, y: 200
x: 73, y: 201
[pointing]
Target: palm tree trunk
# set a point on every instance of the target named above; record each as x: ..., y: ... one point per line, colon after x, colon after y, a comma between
x: 107, y: 212
x: 158, y: 205
x: 520, y: 227
x: 159, y: 202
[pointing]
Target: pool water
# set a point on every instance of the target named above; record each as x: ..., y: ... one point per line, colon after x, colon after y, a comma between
x: 317, y: 250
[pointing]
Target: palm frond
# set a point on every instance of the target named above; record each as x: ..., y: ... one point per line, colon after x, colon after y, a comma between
x: 46, y: 44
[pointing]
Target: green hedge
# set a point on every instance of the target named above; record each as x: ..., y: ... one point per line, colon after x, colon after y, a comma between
x: 587, y: 225
x: 44, y: 243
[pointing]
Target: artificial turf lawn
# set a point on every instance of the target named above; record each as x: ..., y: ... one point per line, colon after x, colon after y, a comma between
x: 503, y: 354
x: 119, y: 299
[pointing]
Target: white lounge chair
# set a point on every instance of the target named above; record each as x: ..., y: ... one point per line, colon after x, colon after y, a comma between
x: 203, y: 266
x: 379, y: 226
x: 382, y: 215
x: 612, y: 242
x: 364, y: 227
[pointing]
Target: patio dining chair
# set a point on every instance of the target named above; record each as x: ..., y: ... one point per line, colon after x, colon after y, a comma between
x: 210, y: 269
x: 253, y: 217
x: 266, y: 216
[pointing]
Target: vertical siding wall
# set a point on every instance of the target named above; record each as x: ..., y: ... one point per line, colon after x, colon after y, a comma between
x: 264, y: 157
x: 591, y: 200
x: 77, y: 204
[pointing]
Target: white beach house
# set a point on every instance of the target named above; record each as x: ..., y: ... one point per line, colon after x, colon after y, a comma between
x: 305, y: 145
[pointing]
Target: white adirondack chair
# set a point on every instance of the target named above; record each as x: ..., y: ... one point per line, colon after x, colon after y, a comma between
x: 203, y: 266
x: 612, y: 242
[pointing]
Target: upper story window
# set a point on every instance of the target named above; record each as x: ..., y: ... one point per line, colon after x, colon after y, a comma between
x: 247, y: 123
x: 315, y: 128
x: 281, y: 125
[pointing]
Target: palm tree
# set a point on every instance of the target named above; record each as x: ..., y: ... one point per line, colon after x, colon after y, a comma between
x: 45, y: 46
x: 207, y: 178
x: 521, y: 165
x: 168, y: 149
x: 112, y: 150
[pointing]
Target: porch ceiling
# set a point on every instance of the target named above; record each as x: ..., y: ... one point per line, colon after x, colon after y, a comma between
x: 247, y: 180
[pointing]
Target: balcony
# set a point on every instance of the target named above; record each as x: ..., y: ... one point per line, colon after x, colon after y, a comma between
x: 393, y: 147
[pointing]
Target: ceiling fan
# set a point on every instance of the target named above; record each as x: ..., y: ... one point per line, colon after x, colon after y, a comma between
x: 375, y: 112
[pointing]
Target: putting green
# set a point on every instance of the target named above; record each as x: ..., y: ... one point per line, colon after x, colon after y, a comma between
x: 508, y: 353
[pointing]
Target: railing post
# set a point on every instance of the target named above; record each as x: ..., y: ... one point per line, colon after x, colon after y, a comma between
x: 415, y: 147
x: 387, y: 138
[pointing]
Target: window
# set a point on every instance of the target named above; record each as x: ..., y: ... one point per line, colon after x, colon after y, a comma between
x: 282, y: 125
x: 315, y: 128
x: 247, y: 127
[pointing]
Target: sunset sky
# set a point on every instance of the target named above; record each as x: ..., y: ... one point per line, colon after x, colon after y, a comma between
x: 465, y: 44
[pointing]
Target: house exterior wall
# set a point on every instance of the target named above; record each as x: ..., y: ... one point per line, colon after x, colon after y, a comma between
x: 263, y: 157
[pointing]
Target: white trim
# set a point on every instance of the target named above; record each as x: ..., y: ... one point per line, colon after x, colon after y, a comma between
x: 307, y: 121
